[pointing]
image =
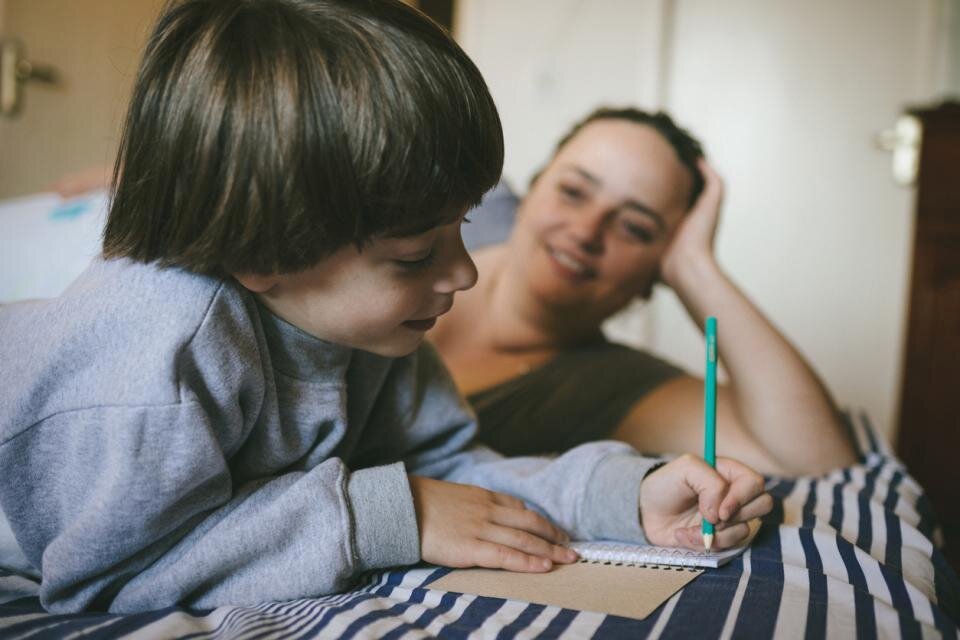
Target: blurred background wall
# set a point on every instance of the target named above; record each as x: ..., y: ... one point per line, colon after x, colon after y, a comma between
x: 789, y: 99
x: 95, y: 46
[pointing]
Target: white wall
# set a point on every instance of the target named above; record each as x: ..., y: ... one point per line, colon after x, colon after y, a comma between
x: 550, y: 62
x: 788, y: 98
x: 950, y: 48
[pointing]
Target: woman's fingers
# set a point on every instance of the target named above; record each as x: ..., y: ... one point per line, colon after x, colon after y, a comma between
x: 712, y: 182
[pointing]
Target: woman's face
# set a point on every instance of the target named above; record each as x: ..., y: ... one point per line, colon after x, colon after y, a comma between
x: 592, y: 229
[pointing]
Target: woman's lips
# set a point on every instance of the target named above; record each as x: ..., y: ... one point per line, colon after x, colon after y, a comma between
x: 421, y: 325
x: 568, y: 266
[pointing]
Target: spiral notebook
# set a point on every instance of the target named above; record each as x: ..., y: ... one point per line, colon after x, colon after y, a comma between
x: 608, y: 552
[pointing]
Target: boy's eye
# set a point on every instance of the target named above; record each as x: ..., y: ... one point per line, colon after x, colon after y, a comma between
x: 418, y: 263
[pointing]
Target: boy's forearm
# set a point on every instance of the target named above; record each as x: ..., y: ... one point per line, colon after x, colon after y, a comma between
x: 591, y: 491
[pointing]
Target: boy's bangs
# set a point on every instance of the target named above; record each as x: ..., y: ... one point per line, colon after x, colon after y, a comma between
x: 276, y: 132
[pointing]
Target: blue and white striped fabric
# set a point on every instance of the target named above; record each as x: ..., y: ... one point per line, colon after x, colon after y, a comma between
x: 850, y: 554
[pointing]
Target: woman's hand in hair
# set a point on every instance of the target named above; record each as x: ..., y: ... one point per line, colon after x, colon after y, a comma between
x: 693, y: 243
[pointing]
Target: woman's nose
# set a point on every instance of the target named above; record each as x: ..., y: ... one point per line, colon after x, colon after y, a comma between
x: 588, y: 230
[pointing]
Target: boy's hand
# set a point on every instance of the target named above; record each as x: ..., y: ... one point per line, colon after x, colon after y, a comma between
x: 466, y: 526
x: 673, y: 497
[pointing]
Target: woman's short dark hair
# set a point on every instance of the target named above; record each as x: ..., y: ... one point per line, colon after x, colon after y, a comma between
x: 688, y: 148
x: 263, y: 135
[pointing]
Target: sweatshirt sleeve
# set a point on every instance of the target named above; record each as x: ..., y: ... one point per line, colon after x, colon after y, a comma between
x: 162, y: 474
x: 591, y: 491
x: 110, y: 528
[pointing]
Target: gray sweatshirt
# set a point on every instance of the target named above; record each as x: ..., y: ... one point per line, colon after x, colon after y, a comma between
x: 164, y: 439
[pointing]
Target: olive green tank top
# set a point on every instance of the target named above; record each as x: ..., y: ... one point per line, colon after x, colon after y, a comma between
x: 580, y: 395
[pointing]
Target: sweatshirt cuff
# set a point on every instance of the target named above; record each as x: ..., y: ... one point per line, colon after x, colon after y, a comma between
x: 612, y: 498
x: 384, y: 521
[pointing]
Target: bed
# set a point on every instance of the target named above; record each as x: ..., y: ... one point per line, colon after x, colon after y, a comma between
x: 850, y: 554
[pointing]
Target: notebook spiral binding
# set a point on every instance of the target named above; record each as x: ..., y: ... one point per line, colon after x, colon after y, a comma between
x: 651, y: 557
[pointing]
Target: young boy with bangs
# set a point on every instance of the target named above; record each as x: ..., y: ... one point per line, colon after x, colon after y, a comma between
x: 235, y: 403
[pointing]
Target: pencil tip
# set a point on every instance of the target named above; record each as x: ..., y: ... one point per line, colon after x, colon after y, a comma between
x: 708, y: 541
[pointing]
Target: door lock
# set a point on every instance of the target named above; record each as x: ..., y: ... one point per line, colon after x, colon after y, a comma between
x: 15, y: 72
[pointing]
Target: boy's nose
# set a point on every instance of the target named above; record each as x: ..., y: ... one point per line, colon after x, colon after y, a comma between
x: 461, y: 273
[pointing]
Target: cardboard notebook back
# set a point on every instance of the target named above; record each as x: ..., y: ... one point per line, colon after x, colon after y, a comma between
x: 614, y: 578
x: 622, y: 590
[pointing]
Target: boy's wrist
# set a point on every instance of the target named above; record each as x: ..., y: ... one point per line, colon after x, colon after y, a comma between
x: 640, y: 500
x: 612, y: 500
x: 385, y: 530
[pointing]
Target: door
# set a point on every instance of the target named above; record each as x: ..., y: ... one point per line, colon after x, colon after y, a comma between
x: 930, y: 427
x: 95, y: 47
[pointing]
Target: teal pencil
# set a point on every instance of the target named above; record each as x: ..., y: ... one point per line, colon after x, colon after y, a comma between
x: 710, y: 415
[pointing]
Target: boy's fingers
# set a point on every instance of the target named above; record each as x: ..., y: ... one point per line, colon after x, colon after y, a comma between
x: 689, y: 538
x: 504, y: 500
x: 709, y: 486
x: 745, y: 485
x: 756, y: 508
x: 732, y: 536
x: 530, y: 521
x: 528, y: 543
x: 497, y: 556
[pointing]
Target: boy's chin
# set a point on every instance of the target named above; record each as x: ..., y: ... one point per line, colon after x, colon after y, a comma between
x: 396, y: 348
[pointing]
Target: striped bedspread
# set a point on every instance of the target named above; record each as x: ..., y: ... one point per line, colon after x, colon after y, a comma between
x: 850, y: 554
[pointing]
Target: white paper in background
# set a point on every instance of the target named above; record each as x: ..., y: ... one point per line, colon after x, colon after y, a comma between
x: 46, y: 242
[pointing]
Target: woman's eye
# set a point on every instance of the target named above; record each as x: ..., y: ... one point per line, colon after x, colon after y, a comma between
x: 572, y: 194
x: 640, y: 233
x: 418, y: 264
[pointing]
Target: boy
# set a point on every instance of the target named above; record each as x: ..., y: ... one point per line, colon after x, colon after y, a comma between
x: 234, y: 405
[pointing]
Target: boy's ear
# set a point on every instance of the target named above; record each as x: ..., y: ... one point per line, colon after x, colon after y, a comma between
x: 256, y: 283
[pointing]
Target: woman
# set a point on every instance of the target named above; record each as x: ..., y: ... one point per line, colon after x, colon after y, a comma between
x: 608, y: 217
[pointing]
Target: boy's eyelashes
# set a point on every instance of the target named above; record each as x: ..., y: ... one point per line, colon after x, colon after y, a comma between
x: 416, y: 264
x: 421, y: 262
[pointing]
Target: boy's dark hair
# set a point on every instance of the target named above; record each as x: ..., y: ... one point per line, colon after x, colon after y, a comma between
x: 688, y: 148
x: 263, y: 135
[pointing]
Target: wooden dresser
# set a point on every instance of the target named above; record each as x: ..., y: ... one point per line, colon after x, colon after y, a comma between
x: 929, y: 427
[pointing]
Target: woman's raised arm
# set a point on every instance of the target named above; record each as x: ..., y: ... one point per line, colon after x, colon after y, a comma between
x: 774, y: 393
